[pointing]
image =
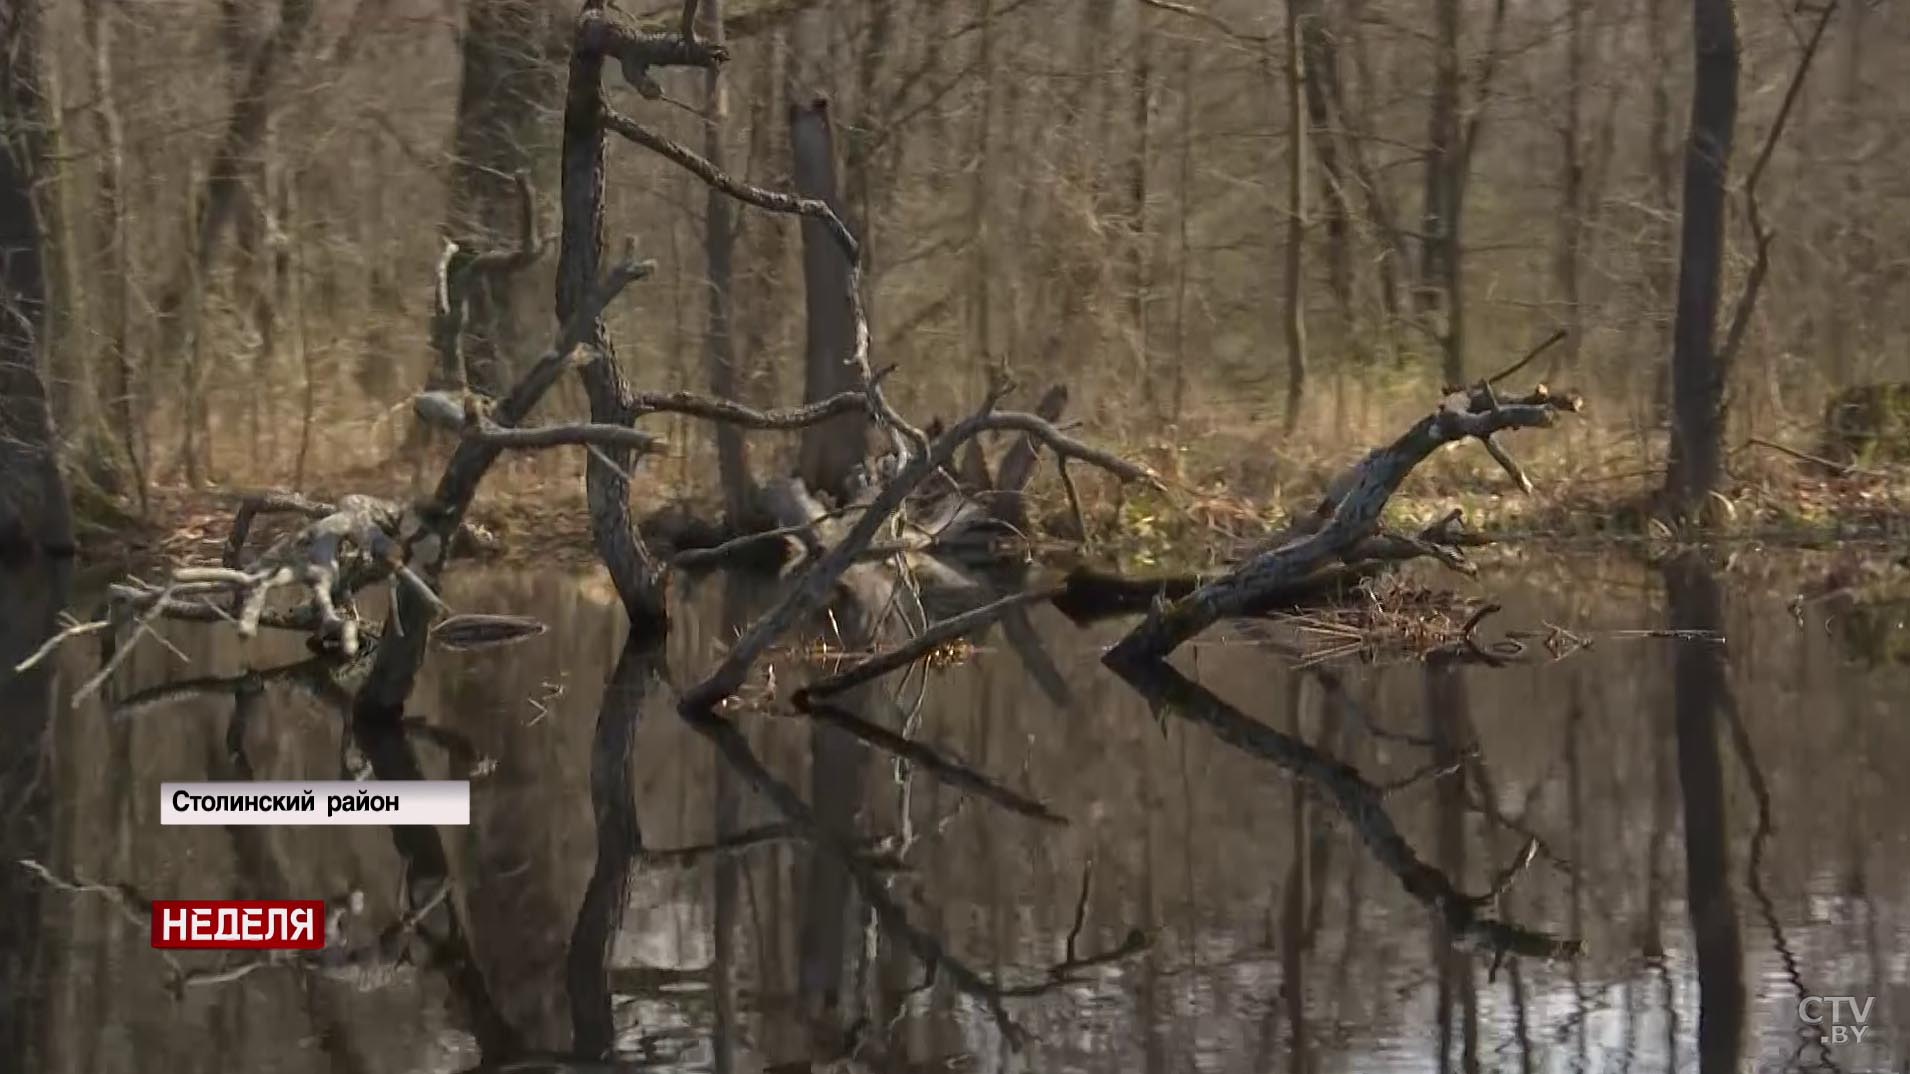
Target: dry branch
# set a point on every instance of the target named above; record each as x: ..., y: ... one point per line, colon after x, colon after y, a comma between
x: 450, y: 412
x: 1352, y: 516
x: 1762, y: 237
x: 774, y: 201
x: 813, y: 587
x: 604, y: 31
x: 428, y: 544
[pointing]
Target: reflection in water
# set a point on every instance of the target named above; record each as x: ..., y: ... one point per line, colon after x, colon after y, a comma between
x: 31, y: 598
x: 1261, y: 867
x: 1699, y: 688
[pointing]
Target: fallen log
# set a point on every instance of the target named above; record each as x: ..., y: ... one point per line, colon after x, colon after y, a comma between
x: 1350, y: 516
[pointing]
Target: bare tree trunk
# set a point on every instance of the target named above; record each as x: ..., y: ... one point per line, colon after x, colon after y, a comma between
x: 981, y: 284
x: 1572, y: 184
x: 1853, y: 267
x: 1319, y: 67
x: 70, y: 392
x: 1697, y: 377
x: 116, y: 262
x: 1660, y: 154
x: 830, y: 449
x: 1439, y: 251
x: 505, y: 93
x: 217, y: 206
x: 634, y: 572
x: 719, y: 253
x: 35, y: 519
x: 1394, y: 255
x: 31, y: 600
x: 1184, y: 256
x: 1295, y: 318
x: 1143, y: 87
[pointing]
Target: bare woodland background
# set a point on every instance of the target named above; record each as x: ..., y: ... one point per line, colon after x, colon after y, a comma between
x: 248, y: 200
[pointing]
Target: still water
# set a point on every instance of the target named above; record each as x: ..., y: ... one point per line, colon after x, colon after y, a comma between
x: 1717, y: 822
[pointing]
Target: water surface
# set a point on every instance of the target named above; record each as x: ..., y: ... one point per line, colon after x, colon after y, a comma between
x: 1717, y: 822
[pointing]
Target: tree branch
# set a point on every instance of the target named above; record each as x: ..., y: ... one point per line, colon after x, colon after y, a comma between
x: 1354, y: 514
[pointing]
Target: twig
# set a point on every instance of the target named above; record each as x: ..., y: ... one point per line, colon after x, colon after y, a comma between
x: 1762, y: 238
x: 703, y: 557
x: 140, y: 626
x: 73, y: 630
x: 1838, y: 468
x: 774, y: 201
x: 920, y: 646
x: 1543, y: 346
x: 447, y: 411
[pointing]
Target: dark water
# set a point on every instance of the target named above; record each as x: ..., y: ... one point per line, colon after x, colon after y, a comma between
x: 1719, y: 824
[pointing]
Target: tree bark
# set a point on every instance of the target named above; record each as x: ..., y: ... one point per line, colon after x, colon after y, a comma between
x: 719, y: 254
x: 505, y: 93
x: 1295, y: 306
x: 1661, y: 154
x: 1439, y: 208
x: 1319, y: 68
x: 31, y: 599
x: 35, y: 519
x: 635, y: 573
x: 116, y: 307
x: 1572, y: 183
x: 830, y: 449
x: 1697, y: 377
x: 1395, y: 257
x: 217, y: 206
x: 1138, y: 267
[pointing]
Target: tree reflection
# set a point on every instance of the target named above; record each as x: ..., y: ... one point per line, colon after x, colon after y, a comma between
x: 1699, y: 689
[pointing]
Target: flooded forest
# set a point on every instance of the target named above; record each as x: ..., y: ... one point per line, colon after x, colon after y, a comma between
x: 960, y: 535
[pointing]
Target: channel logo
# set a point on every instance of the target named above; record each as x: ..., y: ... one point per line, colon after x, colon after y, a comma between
x: 235, y: 925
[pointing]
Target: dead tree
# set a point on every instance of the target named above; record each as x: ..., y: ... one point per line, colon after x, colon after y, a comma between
x: 1697, y: 380
x: 719, y: 255
x: 1348, y: 514
x: 832, y: 449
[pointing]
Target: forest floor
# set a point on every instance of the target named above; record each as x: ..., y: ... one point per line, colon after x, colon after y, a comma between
x: 1212, y: 509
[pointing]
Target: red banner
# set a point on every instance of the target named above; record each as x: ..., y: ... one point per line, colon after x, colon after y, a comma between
x: 228, y: 924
